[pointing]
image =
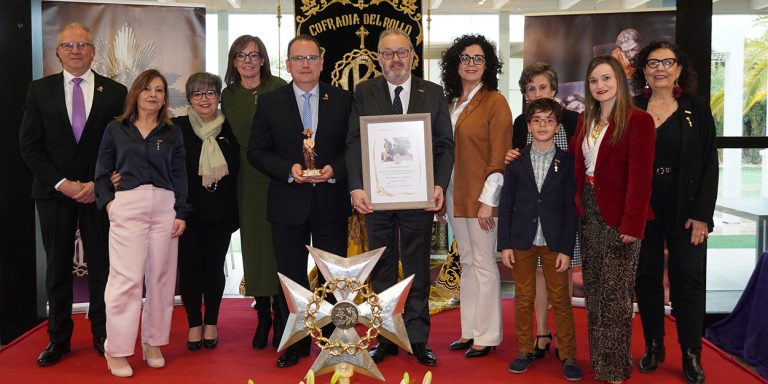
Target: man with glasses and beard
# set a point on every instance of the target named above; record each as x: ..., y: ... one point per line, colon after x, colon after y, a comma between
x: 405, y: 233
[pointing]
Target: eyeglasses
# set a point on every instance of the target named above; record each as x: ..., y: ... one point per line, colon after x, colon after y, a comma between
x: 70, y: 45
x: 476, y: 59
x: 539, y: 121
x: 301, y: 59
x: 667, y: 63
x: 209, y: 94
x: 401, y: 53
x: 241, y: 56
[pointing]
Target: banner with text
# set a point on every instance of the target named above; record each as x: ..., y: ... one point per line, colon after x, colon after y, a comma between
x: 349, y: 33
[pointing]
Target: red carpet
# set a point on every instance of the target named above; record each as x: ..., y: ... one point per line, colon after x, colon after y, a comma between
x: 234, y: 361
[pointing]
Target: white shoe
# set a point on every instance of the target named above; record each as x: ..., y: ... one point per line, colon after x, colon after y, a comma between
x: 124, y: 370
x: 152, y: 362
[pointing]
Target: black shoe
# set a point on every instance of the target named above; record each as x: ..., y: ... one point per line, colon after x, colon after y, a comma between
x: 694, y: 374
x: 521, y: 363
x: 264, y: 322
x: 459, y: 345
x: 571, y: 371
x: 539, y: 353
x: 423, y: 354
x: 472, y: 352
x: 653, y: 356
x: 382, y: 350
x: 278, y: 324
x: 98, y: 344
x: 210, y: 343
x: 194, y: 345
x: 291, y: 357
x: 52, y: 354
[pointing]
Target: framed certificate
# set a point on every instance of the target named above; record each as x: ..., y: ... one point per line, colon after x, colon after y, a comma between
x: 397, y: 160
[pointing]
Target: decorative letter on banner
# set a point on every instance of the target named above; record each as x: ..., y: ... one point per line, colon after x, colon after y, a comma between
x: 348, y: 32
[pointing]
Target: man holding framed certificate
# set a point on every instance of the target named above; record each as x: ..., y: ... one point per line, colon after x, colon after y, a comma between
x: 405, y: 232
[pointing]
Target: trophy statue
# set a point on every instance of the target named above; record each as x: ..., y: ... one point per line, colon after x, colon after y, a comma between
x: 309, y: 155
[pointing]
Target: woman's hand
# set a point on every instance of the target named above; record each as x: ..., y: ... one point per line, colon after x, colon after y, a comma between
x: 626, y: 239
x: 115, y: 179
x: 485, y: 217
x: 508, y: 258
x: 511, y: 155
x: 178, y: 227
x: 699, y: 231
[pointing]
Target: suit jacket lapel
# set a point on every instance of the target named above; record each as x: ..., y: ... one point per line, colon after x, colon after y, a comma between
x: 381, y: 95
x: 471, y: 107
x: 289, y: 99
x: 550, y: 172
x: 528, y: 166
x: 322, y: 109
x: 416, y: 96
x: 97, y: 103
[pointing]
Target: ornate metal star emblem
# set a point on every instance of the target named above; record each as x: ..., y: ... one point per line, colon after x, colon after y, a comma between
x: 381, y: 313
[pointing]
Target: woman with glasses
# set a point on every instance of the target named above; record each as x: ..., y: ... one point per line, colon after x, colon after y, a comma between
x: 613, y: 151
x: 248, y: 76
x: 212, y: 164
x: 482, y: 125
x: 537, y: 81
x: 147, y: 213
x: 683, y: 201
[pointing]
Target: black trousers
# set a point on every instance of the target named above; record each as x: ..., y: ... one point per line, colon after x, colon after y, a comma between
x: 58, y: 222
x: 407, y: 235
x: 290, y: 241
x: 202, y: 250
x: 686, y: 283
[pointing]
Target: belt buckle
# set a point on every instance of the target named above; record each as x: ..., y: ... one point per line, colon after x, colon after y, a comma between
x: 663, y: 170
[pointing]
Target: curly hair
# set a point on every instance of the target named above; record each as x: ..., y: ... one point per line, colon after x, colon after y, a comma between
x: 687, y: 80
x: 449, y: 65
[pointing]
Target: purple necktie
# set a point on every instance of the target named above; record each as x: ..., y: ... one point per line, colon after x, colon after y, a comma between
x: 78, y: 109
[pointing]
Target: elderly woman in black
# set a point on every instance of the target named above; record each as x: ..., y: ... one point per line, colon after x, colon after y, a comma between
x: 683, y: 201
x: 212, y: 165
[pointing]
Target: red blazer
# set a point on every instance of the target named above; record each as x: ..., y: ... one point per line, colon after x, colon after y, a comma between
x: 623, y: 174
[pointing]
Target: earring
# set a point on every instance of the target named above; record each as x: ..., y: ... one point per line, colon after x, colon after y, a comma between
x: 677, y: 90
x: 647, y: 91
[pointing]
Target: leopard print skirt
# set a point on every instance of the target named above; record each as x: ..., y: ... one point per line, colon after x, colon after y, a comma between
x: 609, y: 268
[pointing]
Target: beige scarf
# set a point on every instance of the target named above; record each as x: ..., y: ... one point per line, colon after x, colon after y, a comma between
x: 212, y: 166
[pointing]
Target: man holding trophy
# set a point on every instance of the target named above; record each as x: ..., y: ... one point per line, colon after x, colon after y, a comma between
x: 298, y: 140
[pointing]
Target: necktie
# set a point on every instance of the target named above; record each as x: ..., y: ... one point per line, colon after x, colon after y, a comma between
x: 397, y: 105
x: 306, y: 113
x: 78, y: 109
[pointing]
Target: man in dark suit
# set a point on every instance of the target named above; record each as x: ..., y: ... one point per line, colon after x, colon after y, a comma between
x: 405, y: 233
x: 64, y: 118
x: 313, y: 115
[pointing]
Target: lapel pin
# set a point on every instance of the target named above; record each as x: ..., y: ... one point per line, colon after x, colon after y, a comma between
x: 325, y: 97
x: 159, y: 141
x: 421, y: 90
x: 100, y: 88
x: 557, y: 162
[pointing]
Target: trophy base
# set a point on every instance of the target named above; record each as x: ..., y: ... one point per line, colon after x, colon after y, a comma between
x: 310, y: 172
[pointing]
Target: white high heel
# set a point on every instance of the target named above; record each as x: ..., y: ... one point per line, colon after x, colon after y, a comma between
x: 152, y: 362
x: 125, y: 371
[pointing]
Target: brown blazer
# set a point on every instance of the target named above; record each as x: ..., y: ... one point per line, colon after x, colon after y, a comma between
x: 483, y: 133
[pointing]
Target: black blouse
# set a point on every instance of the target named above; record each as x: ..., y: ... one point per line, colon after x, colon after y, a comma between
x: 157, y: 159
x: 215, y: 204
x: 669, y: 144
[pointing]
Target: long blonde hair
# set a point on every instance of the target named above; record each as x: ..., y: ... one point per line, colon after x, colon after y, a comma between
x: 621, y: 108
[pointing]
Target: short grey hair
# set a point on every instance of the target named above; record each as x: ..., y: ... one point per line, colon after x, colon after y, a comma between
x: 76, y: 26
x: 202, y: 81
x: 395, y: 32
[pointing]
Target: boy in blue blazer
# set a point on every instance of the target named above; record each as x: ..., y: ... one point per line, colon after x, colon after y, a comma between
x: 537, y: 218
